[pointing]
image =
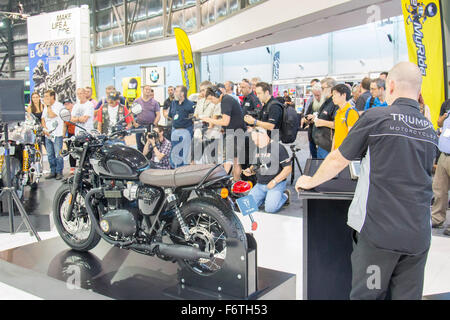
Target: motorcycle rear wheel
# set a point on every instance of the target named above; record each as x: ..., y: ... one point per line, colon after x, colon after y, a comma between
x: 212, y: 226
x: 79, y: 234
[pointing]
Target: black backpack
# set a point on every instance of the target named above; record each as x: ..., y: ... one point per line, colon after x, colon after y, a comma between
x: 290, y: 122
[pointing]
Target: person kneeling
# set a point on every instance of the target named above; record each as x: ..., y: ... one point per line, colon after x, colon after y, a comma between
x: 271, y: 172
x: 158, y: 148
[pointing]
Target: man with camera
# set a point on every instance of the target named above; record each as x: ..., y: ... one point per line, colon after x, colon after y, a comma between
x: 158, y: 147
x: 271, y: 115
x: 251, y: 104
x: 272, y: 169
x: 232, y: 121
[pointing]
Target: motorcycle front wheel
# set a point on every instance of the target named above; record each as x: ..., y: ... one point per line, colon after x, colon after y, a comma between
x: 79, y: 233
x: 212, y: 225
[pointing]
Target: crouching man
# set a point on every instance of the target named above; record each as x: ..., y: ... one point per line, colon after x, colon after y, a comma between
x: 157, y: 149
x: 272, y: 169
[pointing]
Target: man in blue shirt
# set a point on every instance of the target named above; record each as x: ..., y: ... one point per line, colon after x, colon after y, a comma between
x: 181, y: 112
x: 378, y: 92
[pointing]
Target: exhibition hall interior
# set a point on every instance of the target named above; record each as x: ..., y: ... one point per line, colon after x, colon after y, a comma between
x: 224, y: 150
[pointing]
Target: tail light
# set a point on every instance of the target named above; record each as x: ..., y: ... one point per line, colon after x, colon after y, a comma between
x: 241, y: 187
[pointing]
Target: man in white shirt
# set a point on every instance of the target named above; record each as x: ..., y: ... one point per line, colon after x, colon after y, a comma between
x: 54, y: 130
x: 83, y: 112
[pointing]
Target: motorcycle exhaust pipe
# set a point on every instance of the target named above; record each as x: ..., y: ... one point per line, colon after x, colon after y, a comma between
x: 175, y: 251
x: 183, y: 252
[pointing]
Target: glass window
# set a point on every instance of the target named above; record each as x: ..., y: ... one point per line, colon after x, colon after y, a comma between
x: 103, y: 20
x: 154, y: 7
x: 221, y: 9
x: 190, y: 19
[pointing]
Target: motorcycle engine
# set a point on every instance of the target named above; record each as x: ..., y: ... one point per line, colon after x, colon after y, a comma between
x: 148, y: 200
x: 118, y: 223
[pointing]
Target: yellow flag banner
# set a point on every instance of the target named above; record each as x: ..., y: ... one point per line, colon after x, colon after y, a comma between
x: 94, y: 92
x: 424, y: 36
x: 186, y: 60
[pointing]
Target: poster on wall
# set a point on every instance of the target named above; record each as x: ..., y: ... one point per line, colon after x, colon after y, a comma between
x: 53, y: 67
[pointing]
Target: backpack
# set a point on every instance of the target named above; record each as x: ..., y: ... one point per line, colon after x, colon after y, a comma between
x: 347, y: 112
x: 290, y: 122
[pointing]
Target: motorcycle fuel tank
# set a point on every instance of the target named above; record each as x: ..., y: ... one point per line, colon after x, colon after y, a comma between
x: 118, y: 160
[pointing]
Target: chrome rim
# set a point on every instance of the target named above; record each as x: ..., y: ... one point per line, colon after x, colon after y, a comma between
x: 79, y: 228
x: 207, y: 235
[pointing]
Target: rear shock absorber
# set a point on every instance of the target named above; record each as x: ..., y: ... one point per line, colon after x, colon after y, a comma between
x: 25, y: 163
x: 172, y: 200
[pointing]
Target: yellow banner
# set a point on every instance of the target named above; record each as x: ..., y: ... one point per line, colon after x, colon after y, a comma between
x: 186, y: 60
x: 94, y: 92
x: 424, y: 36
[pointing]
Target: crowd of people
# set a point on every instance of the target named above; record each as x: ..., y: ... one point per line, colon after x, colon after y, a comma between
x: 240, y: 125
x: 383, y: 121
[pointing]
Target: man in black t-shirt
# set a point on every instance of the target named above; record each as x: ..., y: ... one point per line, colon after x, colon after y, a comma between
x: 232, y: 122
x: 251, y: 104
x: 271, y: 115
x: 271, y: 170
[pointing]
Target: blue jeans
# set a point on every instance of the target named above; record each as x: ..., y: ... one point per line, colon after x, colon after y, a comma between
x: 181, y: 147
x: 313, y: 150
x: 54, y: 154
x: 321, y: 153
x: 273, y: 199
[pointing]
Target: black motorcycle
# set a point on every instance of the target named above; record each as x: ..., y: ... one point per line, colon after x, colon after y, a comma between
x: 183, y: 215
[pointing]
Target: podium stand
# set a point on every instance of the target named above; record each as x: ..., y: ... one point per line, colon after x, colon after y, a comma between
x: 327, y: 239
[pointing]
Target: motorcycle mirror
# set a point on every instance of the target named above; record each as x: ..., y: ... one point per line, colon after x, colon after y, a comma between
x: 136, y: 108
x: 65, y: 115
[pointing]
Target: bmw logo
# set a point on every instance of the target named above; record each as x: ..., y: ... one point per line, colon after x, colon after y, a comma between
x: 154, y: 76
x: 431, y: 10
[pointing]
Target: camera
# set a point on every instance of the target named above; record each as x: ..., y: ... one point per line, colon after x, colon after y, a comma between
x: 153, y: 135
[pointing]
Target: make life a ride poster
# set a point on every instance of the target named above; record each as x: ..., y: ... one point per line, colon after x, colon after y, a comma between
x: 52, y: 67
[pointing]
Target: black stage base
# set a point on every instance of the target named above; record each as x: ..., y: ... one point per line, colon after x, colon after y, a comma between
x: 111, y: 273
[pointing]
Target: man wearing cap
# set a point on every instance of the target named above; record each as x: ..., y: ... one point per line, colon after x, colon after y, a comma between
x: 113, y: 113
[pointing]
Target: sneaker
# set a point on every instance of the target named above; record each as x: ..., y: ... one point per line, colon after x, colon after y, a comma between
x: 437, y: 225
x: 51, y: 176
x: 59, y: 176
x: 447, y: 232
x: 288, y: 201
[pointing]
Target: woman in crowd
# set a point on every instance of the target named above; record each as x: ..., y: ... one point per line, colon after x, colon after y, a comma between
x: 36, y: 106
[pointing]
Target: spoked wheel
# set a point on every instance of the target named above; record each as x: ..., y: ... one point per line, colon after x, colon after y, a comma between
x: 78, y: 233
x: 211, y: 226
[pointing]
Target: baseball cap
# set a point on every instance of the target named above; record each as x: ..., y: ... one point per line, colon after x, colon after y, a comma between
x: 114, y: 96
x: 67, y: 101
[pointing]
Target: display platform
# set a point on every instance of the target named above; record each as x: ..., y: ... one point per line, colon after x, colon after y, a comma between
x: 112, y: 273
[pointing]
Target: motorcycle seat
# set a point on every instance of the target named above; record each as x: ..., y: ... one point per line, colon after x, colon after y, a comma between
x: 181, y: 177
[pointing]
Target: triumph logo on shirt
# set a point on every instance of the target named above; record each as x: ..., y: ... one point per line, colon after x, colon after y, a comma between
x: 419, y: 13
x: 412, y: 122
x: 412, y: 125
